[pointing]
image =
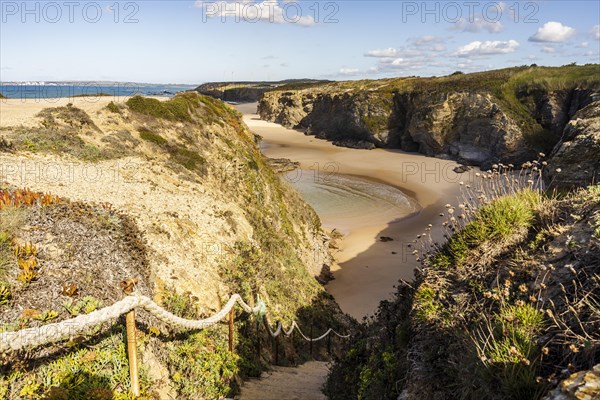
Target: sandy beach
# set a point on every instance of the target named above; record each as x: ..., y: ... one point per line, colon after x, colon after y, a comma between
x: 367, y: 268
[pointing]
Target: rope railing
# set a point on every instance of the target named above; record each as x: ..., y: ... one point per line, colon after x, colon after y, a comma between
x: 51, y: 333
x: 26, y: 339
x: 294, y: 326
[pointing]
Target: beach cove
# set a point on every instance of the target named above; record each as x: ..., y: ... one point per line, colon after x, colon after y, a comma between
x: 368, y: 264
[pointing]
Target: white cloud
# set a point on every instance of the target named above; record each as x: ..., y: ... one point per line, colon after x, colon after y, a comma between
x: 548, y: 49
x: 427, y: 39
x: 385, y: 62
x: 251, y: 11
x: 583, y: 45
x: 488, y: 47
x: 596, y: 32
x: 429, y: 42
x: 409, y: 53
x: 404, y: 64
x: 553, y: 32
x: 349, y: 71
x: 389, y: 52
x: 477, y: 25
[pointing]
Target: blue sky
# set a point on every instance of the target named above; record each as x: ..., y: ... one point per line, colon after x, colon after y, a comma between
x: 198, y: 41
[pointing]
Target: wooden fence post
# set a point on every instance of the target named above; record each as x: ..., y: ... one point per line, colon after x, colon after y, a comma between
x: 258, y: 338
x: 277, y: 346
x: 311, y: 338
x: 128, y: 286
x: 132, y: 353
x: 231, y: 330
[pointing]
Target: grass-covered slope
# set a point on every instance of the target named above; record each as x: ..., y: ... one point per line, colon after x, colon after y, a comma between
x: 506, y: 309
x: 181, y: 199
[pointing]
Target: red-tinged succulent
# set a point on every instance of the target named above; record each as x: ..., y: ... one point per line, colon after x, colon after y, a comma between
x: 26, y: 197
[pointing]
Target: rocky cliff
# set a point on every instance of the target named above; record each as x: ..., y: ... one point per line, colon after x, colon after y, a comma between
x: 498, y: 116
x: 246, y: 92
x: 575, y: 161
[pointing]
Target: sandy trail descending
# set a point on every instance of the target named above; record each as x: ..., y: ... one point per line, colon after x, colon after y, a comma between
x: 285, y: 383
x: 367, y: 269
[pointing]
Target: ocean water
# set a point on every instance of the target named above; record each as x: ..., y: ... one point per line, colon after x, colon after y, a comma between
x: 59, y: 90
x: 337, y: 197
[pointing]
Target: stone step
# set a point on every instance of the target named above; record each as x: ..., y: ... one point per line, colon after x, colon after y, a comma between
x: 288, y: 383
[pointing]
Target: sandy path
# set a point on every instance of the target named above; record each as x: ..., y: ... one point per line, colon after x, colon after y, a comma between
x: 367, y: 270
x: 300, y: 383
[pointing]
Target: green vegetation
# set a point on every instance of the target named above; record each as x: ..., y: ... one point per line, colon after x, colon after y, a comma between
x: 85, y: 306
x: 475, y: 322
x: 44, y: 140
x: 73, y: 117
x: 112, y: 107
x: 190, y: 159
x: 2, y: 96
x: 60, y: 133
x: 494, y: 222
x: 97, y: 371
x: 152, y: 137
x: 200, y: 363
x: 179, y: 108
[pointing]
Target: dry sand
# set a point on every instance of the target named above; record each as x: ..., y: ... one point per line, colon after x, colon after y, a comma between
x: 17, y: 112
x: 366, y: 269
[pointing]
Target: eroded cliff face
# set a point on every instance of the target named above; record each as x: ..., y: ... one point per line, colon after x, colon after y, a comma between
x: 475, y: 123
x: 575, y: 160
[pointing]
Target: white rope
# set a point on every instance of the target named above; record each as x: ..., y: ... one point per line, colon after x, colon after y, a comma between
x: 33, y: 337
x: 295, y: 326
x: 279, y: 329
x: 323, y: 336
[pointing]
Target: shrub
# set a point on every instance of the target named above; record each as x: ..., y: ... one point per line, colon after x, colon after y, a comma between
x: 179, y: 108
x: 152, y: 137
x: 112, y: 107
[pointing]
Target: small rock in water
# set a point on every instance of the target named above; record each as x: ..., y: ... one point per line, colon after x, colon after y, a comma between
x: 385, y: 239
x: 393, y: 252
x: 354, y: 144
x: 461, y: 168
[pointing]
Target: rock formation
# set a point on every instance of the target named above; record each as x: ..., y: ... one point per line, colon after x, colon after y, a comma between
x: 478, y: 119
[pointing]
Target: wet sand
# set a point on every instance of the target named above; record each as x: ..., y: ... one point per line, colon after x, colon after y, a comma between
x: 366, y: 269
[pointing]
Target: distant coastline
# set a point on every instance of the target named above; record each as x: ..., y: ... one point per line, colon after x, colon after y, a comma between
x: 48, y: 90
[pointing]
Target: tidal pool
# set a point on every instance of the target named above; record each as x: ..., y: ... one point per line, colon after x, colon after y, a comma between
x: 346, y: 201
